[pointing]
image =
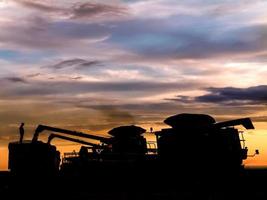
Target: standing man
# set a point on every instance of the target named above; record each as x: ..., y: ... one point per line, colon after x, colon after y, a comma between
x: 21, y: 132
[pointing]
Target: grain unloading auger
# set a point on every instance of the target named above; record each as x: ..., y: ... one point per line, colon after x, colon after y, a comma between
x: 42, y: 128
x: 53, y: 136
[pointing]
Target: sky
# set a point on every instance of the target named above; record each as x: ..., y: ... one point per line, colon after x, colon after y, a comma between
x: 93, y: 65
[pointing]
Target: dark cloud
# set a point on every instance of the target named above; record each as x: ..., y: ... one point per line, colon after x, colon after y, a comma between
x: 67, y: 63
x: 131, y: 88
x: 35, y: 32
x: 180, y: 98
x: 33, y: 75
x: 37, y: 5
x: 112, y: 117
x: 230, y: 96
x: 15, y: 79
x: 87, y: 64
x: 149, y: 112
x: 76, y: 63
x: 132, y: 107
x: 135, y: 113
x: 76, y: 78
x: 41, y: 34
x: 89, y: 10
x: 257, y: 94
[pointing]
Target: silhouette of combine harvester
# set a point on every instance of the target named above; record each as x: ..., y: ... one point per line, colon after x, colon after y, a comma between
x: 194, y: 143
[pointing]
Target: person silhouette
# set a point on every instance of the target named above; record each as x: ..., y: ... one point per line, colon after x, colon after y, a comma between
x: 21, y: 132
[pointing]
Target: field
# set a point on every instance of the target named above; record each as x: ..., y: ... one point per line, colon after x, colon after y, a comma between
x: 251, y: 185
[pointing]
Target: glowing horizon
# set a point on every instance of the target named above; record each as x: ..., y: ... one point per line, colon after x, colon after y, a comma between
x: 255, y: 139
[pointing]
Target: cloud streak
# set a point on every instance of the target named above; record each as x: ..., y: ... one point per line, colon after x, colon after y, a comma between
x: 76, y: 63
x: 251, y: 95
x: 15, y: 79
x: 255, y: 95
x: 89, y: 10
x: 38, y: 5
x: 41, y: 88
x: 86, y: 10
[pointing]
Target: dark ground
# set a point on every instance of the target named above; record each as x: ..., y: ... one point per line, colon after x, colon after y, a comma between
x: 251, y: 185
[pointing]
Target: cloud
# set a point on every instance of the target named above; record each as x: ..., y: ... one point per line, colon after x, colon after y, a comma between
x: 260, y: 119
x: 147, y: 50
x: 254, y: 95
x: 39, y: 5
x: 15, y: 79
x: 156, y: 112
x: 88, y: 64
x: 33, y: 75
x: 76, y: 63
x: 76, y: 78
x: 180, y: 98
x: 185, y: 35
x: 113, y: 117
x: 229, y: 96
x: 189, y: 41
x: 89, y: 10
x: 120, y: 88
x: 78, y: 11
x: 67, y: 63
x: 42, y: 34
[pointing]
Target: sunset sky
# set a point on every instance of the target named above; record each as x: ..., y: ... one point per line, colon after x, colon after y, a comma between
x: 95, y: 65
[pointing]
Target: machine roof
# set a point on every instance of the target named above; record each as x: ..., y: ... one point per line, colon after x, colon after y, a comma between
x: 189, y: 120
x: 126, y: 131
